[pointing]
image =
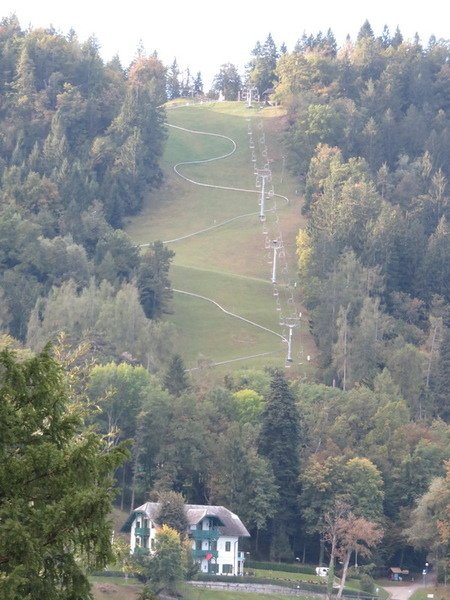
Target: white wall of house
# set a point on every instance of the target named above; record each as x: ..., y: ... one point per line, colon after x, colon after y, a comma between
x: 142, y: 541
x: 227, y: 560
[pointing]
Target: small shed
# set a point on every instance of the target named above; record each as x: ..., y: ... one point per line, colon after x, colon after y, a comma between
x: 397, y: 574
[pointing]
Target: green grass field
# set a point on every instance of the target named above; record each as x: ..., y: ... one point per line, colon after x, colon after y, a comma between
x: 289, y: 576
x: 194, y: 593
x: 229, y: 264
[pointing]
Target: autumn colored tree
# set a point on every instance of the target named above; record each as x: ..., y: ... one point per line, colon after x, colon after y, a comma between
x: 347, y: 533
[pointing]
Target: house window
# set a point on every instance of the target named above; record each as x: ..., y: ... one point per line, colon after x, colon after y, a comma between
x: 145, y: 524
x: 152, y: 543
x: 138, y: 541
x: 138, y: 523
x: 198, y: 545
x: 227, y: 569
x: 227, y: 547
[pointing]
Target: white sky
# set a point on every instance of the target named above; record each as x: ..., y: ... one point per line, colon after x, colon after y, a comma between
x: 202, y: 34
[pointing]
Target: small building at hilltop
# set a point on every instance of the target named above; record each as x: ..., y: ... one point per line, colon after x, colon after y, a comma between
x: 214, y: 530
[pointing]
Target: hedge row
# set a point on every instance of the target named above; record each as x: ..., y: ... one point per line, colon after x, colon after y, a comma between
x: 113, y: 574
x: 286, y: 567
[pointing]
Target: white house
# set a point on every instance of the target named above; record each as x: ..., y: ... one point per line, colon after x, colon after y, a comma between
x: 214, y: 531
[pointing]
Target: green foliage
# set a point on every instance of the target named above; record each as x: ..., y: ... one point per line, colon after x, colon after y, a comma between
x: 279, y: 440
x: 367, y: 583
x: 120, y: 391
x: 112, y: 320
x: 172, y: 512
x: 441, y: 381
x: 285, y: 567
x: 249, y: 406
x: 261, y: 69
x: 56, y: 480
x: 241, y: 479
x: 81, y: 148
x: 227, y: 81
x: 166, y: 567
x: 176, y: 380
x: 153, y: 282
x: 182, y: 462
x: 430, y: 527
x: 280, y: 548
x: 369, y: 152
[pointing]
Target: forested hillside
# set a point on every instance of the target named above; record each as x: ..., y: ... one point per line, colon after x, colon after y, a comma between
x: 80, y: 142
x: 368, y: 136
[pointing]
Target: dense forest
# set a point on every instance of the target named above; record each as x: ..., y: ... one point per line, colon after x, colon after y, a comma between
x: 367, y: 134
x: 79, y: 147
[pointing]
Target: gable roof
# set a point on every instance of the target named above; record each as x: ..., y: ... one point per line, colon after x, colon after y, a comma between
x: 230, y: 524
x: 399, y: 571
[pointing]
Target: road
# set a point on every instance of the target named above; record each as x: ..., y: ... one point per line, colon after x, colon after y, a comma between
x: 403, y: 591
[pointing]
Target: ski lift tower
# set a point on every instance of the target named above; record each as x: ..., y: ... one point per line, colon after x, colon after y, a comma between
x: 262, y: 175
x: 290, y: 323
x: 276, y: 246
x: 250, y: 94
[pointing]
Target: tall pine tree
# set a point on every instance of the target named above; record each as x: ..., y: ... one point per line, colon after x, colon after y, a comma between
x: 279, y: 443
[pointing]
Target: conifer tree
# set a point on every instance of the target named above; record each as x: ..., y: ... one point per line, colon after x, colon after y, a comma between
x: 175, y: 379
x: 279, y: 442
x: 55, y: 482
x: 153, y: 280
x: 198, y: 84
x: 173, y: 81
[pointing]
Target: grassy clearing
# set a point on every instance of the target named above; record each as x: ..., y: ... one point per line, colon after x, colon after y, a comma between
x: 288, y: 576
x: 229, y: 264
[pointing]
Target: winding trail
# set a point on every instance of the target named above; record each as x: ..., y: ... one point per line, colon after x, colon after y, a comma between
x: 212, y: 186
x: 176, y: 169
x: 231, y: 314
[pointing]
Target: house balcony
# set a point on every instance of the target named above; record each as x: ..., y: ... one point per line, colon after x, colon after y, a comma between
x: 202, y: 553
x: 142, y: 531
x: 205, y: 534
x: 140, y: 551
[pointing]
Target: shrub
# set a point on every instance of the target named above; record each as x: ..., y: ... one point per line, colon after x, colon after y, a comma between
x: 367, y: 583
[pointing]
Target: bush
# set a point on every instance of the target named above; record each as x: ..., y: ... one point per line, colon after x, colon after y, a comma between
x: 442, y: 572
x: 113, y: 574
x: 367, y: 583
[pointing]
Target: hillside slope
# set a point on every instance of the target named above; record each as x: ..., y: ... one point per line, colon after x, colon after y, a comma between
x: 223, y: 260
